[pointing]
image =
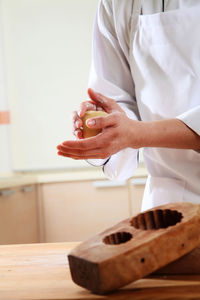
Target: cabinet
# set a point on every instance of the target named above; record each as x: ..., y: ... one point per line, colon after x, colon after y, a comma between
x: 18, y: 215
x: 59, y: 208
x: 74, y: 211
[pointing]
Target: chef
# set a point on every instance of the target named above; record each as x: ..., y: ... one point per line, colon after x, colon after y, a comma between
x: 146, y: 74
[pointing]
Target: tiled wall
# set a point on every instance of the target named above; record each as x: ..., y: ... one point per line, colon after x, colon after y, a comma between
x: 5, y: 161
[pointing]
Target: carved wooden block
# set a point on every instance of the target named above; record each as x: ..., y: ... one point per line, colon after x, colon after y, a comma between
x: 136, y: 247
x: 189, y: 264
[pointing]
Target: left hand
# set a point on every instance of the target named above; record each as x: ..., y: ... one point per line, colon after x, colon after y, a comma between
x: 118, y: 132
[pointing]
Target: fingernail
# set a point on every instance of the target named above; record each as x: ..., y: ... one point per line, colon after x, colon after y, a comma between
x: 79, y: 113
x: 78, y: 134
x: 91, y: 122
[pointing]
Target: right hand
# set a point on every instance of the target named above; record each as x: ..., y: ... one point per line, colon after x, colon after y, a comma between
x: 77, y: 123
x: 118, y: 131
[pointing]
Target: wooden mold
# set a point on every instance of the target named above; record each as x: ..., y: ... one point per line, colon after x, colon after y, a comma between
x: 136, y: 247
x: 189, y: 264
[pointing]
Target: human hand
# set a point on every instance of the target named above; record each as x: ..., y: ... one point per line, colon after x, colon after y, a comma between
x: 77, y: 124
x: 118, y: 132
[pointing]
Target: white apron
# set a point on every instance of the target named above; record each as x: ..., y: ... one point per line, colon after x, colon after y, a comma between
x: 165, y: 65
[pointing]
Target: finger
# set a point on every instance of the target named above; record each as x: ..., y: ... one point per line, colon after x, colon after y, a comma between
x: 89, y: 143
x: 99, y: 108
x: 108, y: 104
x: 78, y: 133
x: 69, y: 156
x: 80, y: 152
x: 76, y: 121
x: 102, y: 122
x: 60, y: 153
x: 87, y: 105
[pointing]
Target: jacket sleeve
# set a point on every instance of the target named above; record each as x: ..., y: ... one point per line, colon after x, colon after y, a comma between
x: 110, y: 75
x: 192, y: 119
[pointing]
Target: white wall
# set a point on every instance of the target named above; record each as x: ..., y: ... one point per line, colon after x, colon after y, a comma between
x: 47, y: 47
x: 5, y: 159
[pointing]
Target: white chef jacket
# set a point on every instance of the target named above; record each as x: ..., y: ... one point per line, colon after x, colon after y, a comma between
x: 111, y: 75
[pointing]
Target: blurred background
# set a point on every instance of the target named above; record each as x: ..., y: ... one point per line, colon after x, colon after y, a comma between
x: 45, y: 56
x: 45, y: 61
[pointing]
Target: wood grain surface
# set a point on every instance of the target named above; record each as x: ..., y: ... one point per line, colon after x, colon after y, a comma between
x: 136, y: 247
x: 40, y: 271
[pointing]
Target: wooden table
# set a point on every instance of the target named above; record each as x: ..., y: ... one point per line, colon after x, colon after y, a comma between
x: 40, y: 271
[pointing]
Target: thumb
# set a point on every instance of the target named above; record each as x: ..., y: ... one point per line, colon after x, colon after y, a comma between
x: 108, y: 104
x: 102, y: 122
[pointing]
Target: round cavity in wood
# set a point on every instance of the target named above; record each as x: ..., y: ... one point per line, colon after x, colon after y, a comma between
x: 117, y: 238
x: 156, y: 219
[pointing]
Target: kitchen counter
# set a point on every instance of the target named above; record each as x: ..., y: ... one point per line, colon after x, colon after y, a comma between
x: 16, y: 179
x: 92, y: 173
x: 40, y: 271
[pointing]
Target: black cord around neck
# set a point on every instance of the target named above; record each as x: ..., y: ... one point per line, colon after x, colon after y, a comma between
x: 163, y: 7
